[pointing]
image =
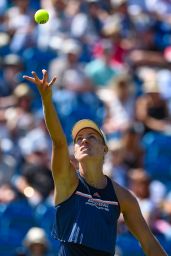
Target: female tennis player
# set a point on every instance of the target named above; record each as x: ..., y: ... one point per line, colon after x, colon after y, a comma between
x: 87, y: 202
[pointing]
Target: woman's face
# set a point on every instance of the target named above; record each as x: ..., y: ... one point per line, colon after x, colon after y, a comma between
x: 89, y: 144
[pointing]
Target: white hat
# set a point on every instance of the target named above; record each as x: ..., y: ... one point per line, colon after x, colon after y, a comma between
x: 73, y: 77
x: 12, y: 59
x: 149, y: 77
x: 87, y: 123
x: 151, y: 87
x: 22, y: 90
x: 4, y: 39
x: 117, y: 3
x: 112, y: 25
x: 115, y: 144
x: 36, y: 236
x: 34, y: 141
x: 71, y: 46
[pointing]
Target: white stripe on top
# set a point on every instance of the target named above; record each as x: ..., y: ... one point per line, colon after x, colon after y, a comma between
x: 95, y: 199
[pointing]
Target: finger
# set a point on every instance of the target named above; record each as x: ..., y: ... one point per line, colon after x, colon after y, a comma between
x: 52, y: 81
x: 35, y: 76
x: 31, y: 79
x: 45, y: 75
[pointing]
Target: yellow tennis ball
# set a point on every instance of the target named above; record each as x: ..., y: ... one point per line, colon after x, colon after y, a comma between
x: 41, y: 16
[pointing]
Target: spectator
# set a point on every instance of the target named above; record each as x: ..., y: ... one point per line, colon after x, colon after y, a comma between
x: 35, y: 146
x: 139, y: 184
x: 90, y: 23
x: 133, y: 150
x: 19, y: 117
x: 121, y: 105
x: 12, y: 66
x: 58, y: 25
x: 114, y: 166
x: 36, y: 242
x: 20, y: 25
x: 7, y: 165
x: 151, y: 109
x: 120, y: 8
x: 100, y: 69
x: 8, y: 193
x: 68, y: 65
x: 112, y: 31
x: 39, y: 177
x: 78, y: 94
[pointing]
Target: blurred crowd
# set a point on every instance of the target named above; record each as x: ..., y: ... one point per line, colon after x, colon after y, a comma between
x: 113, y: 63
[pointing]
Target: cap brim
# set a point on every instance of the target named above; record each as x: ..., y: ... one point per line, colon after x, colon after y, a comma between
x: 86, y: 123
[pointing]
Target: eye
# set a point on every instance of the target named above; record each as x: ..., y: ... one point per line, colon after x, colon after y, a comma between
x: 93, y: 137
x: 78, y: 139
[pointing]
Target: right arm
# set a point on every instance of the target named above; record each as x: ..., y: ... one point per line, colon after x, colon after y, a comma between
x: 64, y: 175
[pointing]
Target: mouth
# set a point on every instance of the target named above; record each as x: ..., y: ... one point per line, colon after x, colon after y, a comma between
x: 84, y: 148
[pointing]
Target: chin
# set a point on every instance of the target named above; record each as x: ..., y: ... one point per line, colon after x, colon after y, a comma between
x: 84, y: 156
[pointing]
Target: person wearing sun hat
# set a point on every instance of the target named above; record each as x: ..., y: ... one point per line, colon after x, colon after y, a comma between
x: 87, y: 202
x: 87, y: 123
x: 36, y: 242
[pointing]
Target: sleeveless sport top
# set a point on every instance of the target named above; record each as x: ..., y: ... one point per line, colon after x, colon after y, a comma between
x: 87, y: 221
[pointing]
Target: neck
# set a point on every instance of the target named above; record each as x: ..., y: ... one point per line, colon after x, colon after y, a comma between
x: 93, y: 174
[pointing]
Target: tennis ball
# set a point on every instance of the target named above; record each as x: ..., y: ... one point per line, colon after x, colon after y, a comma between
x: 41, y: 16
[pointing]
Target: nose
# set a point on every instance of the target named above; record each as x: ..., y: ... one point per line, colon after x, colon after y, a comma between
x: 84, y: 140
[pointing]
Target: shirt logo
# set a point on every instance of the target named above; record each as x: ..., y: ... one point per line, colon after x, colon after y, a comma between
x: 98, y: 204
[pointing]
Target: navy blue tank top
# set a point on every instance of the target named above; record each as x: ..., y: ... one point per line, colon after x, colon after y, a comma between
x: 86, y: 223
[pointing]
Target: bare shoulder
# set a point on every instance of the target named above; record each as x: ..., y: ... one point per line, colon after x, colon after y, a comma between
x: 64, y: 174
x: 65, y: 187
x: 125, y: 197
